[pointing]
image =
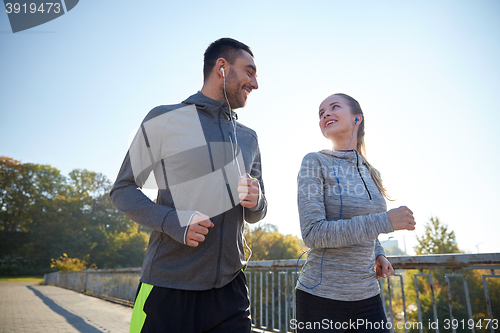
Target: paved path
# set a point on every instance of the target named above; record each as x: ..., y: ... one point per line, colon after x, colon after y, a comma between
x: 28, y: 308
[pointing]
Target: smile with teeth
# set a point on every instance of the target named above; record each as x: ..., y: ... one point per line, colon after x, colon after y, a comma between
x: 247, y: 91
x: 329, y: 122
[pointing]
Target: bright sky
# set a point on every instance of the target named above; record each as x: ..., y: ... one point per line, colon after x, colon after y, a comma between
x: 426, y: 74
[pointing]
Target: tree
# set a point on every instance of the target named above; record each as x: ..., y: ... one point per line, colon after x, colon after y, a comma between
x: 27, y: 193
x: 24, y: 188
x: 268, y: 244
x: 10, y: 171
x: 44, y: 215
x: 436, y: 239
x: 64, y: 263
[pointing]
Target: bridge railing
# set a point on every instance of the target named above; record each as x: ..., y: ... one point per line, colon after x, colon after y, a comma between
x: 119, y: 285
x: 272, y: 283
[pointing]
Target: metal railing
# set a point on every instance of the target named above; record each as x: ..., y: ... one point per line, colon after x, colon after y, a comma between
x: 119, y: 285
x: 271, y: 286
x: 272, y: 283
x: 449, y: 264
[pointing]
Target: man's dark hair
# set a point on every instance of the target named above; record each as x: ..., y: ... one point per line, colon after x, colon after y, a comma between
x: 226, y: 48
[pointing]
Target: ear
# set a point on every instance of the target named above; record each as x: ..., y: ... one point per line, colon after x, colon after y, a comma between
x: 360, y: 118
x: 220, y: 63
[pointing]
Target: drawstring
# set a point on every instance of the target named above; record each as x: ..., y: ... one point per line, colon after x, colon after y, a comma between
x: 359, y: 172
x: 234, y: 147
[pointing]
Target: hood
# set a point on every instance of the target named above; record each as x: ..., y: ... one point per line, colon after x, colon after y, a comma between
x: 351, y: 156
x: 210, y: 107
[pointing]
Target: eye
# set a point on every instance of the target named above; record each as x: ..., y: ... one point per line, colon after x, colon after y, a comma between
x: 321, y: 113
x: 333, y: 106
x: 249, y: 73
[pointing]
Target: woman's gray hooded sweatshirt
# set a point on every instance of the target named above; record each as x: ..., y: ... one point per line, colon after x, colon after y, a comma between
x: 351, y: 239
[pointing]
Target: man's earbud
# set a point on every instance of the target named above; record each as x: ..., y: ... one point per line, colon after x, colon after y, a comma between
x: 222, y: 70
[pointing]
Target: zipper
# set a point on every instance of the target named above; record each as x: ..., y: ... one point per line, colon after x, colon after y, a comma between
x: 221, y: 232
x: 359, y: 172
x: 225, y: 159
x: 219, y: 255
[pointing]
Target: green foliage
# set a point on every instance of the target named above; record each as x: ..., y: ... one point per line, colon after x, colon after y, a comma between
x: 268, y: 244
x: 44, y: 214
x: 13, y: 265
x: 476, y: 293
x: 64, y: 263
x: 24, y: 189
x: 436, y: 239
x: 36, y: 279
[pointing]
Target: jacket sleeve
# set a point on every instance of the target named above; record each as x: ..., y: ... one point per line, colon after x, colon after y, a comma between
x: 317, y: 231
x: 378, y: 250
x: 127, y: 196
x: 253, y: 215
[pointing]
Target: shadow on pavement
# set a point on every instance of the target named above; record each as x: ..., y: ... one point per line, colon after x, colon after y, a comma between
x: 74, y: 320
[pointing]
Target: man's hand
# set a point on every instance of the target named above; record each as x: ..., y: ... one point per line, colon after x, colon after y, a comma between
x: 198, y: 229
x: 383, y: 267
x: 248, y: 191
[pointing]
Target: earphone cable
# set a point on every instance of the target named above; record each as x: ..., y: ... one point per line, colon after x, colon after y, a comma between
x: 237, y: 163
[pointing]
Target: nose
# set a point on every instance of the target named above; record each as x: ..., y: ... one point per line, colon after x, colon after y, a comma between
x: 254, y: 83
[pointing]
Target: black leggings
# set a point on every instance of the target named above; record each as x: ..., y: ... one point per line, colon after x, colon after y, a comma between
x: 318, y: 314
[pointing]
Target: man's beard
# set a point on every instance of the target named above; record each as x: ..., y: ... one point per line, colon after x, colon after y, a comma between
x: 234, y: 90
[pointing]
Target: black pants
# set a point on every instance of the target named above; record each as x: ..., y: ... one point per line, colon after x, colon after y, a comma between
x: 318, y: 314
x: 226, y: 309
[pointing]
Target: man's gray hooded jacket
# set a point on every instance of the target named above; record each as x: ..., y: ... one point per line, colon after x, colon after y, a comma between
x: 196, y: 161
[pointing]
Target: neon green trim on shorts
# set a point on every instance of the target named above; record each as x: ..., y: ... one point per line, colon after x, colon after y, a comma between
x: 138, y: 315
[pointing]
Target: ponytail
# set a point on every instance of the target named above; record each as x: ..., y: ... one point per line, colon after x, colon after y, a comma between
x: 374, y: 173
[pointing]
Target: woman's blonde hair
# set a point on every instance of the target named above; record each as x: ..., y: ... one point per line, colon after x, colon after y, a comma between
x: 356, y: 109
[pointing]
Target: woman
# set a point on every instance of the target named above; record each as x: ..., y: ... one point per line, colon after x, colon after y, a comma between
x: 342, y: 211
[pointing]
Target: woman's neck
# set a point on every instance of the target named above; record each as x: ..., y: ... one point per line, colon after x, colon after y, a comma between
x: 344, y: 145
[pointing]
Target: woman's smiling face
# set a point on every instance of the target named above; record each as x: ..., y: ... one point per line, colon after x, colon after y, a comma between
x: 335, y: 118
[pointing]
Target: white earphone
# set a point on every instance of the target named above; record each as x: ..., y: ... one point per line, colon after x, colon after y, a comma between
x: 235, y: 153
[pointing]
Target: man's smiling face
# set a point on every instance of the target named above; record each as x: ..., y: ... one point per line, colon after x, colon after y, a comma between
x: 241, y: 80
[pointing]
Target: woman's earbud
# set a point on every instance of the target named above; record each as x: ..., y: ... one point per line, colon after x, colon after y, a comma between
x: 356, y: 120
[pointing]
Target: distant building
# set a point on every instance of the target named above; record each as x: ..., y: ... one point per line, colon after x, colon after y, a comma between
x: 387, y: 244
x: 391, y: 247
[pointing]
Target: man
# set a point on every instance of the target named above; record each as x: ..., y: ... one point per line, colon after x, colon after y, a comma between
x: 207, y: 170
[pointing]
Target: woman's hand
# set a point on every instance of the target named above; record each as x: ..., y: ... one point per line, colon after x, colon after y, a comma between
x: 383, y: 267
x: 402, y: 218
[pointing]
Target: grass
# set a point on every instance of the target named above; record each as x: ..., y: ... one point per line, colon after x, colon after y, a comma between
x: 37, y: 279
